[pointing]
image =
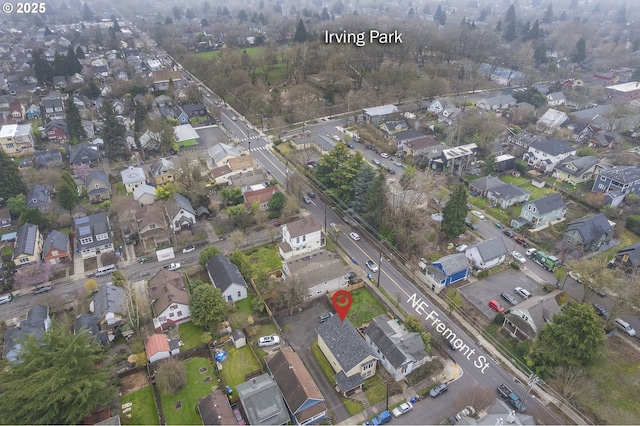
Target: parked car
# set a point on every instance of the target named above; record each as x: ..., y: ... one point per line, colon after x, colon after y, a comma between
x: 397, y: 163
x: 530, y: 252
x: 376, y: 162
x: 521, y: 241
x: 519, y: 257
x: 324, y: 317
x: 238, y: 415
x: 438, y: 390
x: 625, y: 327
x: 509, y: 298
x: 172, y: 266
x: 477, y: 214
x: 601, y: 310
x: 350, y: 275
x: 268, y: 341
x: 600, y: 292
x: 189, y: 248
x: 354, y: 236
x: 306, y: 199
x: 234, y: 118
x: 335, y: 227
x: 351, y: 146
x: 42, y: 289
x: 372, y: 265
x: 470, y: 224
x: 508, y: 233
x: 576, y: 276
x: 522, y: 292
x: 390, y: 170
x: 384, y: 155
x: 277, y: 223
x: 311, y: 194
x: 402, y: 408
x: 496, y: 306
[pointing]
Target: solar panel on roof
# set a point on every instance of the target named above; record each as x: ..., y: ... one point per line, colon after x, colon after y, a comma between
x: 82, y: 220
x: 84, y: 230
x: 31, y: 236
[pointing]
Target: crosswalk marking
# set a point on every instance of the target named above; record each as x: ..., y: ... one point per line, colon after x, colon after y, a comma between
x: 259, y: 148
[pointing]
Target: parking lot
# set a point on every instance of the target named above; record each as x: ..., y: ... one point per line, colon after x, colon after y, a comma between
x: 480, y: 292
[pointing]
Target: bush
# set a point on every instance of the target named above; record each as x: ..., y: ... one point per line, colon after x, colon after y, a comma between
x: 171, y: 376
x: 633, y: 223
x: 499, y: 318
x: 483, y: 274
x: 515, y: 266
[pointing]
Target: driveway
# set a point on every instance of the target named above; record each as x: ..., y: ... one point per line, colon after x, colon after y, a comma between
x: 300, y: 332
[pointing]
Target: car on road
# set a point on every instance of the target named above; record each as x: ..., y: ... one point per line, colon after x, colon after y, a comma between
x: 351, y: 146
x: 354, y: 236
x: 521, y: 241
x: 390, y: 170
x: 188, y: 249
x: 398, y: 164
x: 376, y: 162
x: 509, y: 298
x: 530, y: 253
x: 477, y: 214
x: 508, y: 233
x: 334, y: 226
x: 336, y: 138
x: 519, y: 257
x: 601, y: 310
x: 624, y: 326
x: 350, y: 275
x: 496, y: 306
x: 384, y: 155
x: 311, y: 194
x: 600, y: 292
x: 306, y: 199
x: 438, y: 390
x: 372, y: 265
x: 402, y: 408
x: 325, y: 317
x: 42, y: 289
x: 234, y: 118
x: 470, y: 224
x: 172, y: 266
x: 268, y: 341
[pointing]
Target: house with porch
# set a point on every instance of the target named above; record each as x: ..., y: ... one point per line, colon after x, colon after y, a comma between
x: 588, y: 234
x: 108, y: 305
x: 97, y: 186
x: 525, y: 320
x: 493, y: 103
x: 28, y: 247
x: 542, y: 212
x: 56, y: 248
x: 35, y: 324
x: 17, y: 139
x: 83, y: 153
x: 576, y: 170
x: 180, y: 212
x: 152, y: 226
x: 93, y: 235
x: 507, y: 195
x: 546, y: 153
x: 133, y: 177
x: 300, y: 237
x: 162, y: 171
x: 38, y: 197
x: 169, y: 299
x: 487, y: 254
x: 481, y: 186
x: 449, y: 269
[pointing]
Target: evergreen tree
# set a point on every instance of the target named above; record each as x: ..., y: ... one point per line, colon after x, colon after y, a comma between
x: 67, y: 192
x: 80, y: 53
x: 325, y: 14
x: 68, y: 373
x: 207, y: 306
x: 140, y: 116
x: 177, y: 12
x: 440, y: 16
x: 510, y: 24
x: 35, y: 217
x: 525, y: 31
x: 41, y: 67
x: 377, y: 201
x: 581, y: 50
x: 540, y: 54
x: 114, y: 134
x: 75, y: 131
x: 547, y: 18
x: 359, y: 188
x: 116, y: 25
x: 301, y: 33
x: 242, y: 16
x: 535, y: 32
x: 11, y: 183
x: 189, y: 14
x: 455, y: 212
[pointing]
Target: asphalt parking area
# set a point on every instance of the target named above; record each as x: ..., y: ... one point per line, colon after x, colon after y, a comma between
x: 480, y: 292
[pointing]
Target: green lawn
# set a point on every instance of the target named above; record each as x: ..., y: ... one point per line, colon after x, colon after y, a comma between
x: 481, y: 203
x: 539, y: 192
x: 190, y: 142
x: 190, y: 334
x: 515, y: 180
x: 143, y: 408
x: 264, y: 259
x: 189, y: 396
x: 238, y: 364
x: 375, y: 389
x: 277, y: 74
x: 244, y: 306
x: 7, y: 251
x: 197, y: 120
x: 119, y: 189
x: 364, y: 308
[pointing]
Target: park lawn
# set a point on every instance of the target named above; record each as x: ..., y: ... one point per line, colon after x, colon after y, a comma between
x: 191, y: 335
x: 239, y: 363
x: 190, y: 395
x: 265, y: 259
x: 365, y: 307
x: 277, y: 74
x: 143, y: 408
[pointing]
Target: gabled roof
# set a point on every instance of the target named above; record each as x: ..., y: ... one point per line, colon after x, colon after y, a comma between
x: 491, y: 249
x: 540, y: 309
x: 242, y: 162
x: 191, y: 108
x: 89, y: 322
x: 185, y: 132
x: 508, y: 191
x: 56, y: 240
x: 408, y: 135
x: 162, y: 165
x: 553, y: 147
x: 380, y: 334
x: 26, y: 240
x: 133, y: 175
x: 344, y: 342
x: 83, y: 152
x: 262, y: 401
x: 224, y: 273
x: 155, y: 344
x: 632, y: 252
x: 260, y: 195
x: 37, y: 195
x: 46, y: 158
x: 166, y: 288
x: 590, y: 228
x: 549, y: 203
x: 221, y: 150
x: 303, y: 226
x: 577, y: 166
x: 142, y: 190
x: 622, y: 174
x: 55, y: 124
x: 98, y: 175
x: 36, y: 323
x: 93, y: 225
x: 486, y: 182
x: 215, y: 409
x: 183, y: 203
x: 452, y: 263
x: 109, y: 298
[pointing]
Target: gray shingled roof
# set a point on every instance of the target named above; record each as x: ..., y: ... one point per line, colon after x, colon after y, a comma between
x: 97, y: 224
x: 303, y: 226
x: 109, y: 298
x: 491, y: 249
x: 162, y: 165
x: 549, y: 203
x: 36, y: 323
x: 56, y: 240
x: 633, y: 251
x: 344, y: 342
x: 83, y: 152
x: 580, y: 164
x: 508, y: 191
x: 89, y: 322
x: 224, y: 273
x: 379, y: 332
x: 590, y: 228
x: 38, y: 195
x: 47, y: 158
x: 184, y: 203
x: 453, y: 263
x: 486, y: 182
x: 622, y: 174
x: 552, y: 147
x: 348, y: 383
x: 262, y: 401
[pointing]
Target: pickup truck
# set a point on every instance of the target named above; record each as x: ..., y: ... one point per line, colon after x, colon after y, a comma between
x: 511, y: 397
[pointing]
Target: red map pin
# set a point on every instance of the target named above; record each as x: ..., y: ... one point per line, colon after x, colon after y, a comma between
x: 342, y: 301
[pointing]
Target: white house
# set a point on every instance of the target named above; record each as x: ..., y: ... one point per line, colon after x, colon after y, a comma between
x: 133, y: 177
x: 93, y: 235
x: 487, y: 254
x: 301, y: 237
x: 545, y: 154
x: 145, y: 194
x: 169, y: 299
x: 181, y: 213
x: 555, y: 99
x: 226, y: 276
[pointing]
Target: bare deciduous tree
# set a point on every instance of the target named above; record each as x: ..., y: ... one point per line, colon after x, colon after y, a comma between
x: 476, y: 396
x: 568, y: 380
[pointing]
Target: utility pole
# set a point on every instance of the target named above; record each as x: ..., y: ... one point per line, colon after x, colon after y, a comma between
x: 533, y: 380
x: 380, y: 264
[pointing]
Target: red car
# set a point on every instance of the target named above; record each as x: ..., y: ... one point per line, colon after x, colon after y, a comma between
x: 521, y: 241
x: 496, y: 306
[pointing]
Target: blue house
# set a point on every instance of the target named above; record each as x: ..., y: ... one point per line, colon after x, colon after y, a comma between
x: 33, y: 113
x: 450, y: 269
x: 617, y: 182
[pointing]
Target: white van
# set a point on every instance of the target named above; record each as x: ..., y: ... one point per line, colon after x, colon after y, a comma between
x: 522, y: 292
x: 624, y: 326
x: 105, y: 270
x: 5, y: 298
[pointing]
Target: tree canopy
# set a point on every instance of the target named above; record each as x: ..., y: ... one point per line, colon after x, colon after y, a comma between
x: 114, y: 134
x: 59, y: 379
x: 207, y: 253
x: 207, y: 306
x: 337, y: 170
x: 455, y: 212
x: 11, y: 182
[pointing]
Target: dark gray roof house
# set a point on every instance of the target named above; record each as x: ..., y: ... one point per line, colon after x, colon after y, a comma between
x: 574, y: 169
x: 481, y: 185
x: 181, y: 213
x: 90, y: 322
x: 50, y: 158
x: 215, y: 409
x: 507, y: 195
x: 97, y: 185
x: 227, y: 278
x: 629, y: 257
x: 589, y: 233
x: 83, y: 153
x: 553, y: 147
x: 108, y: 304
x: 36, y: 324
x: 38, y: 197
x: 262, y: 401
x: 28, y: 246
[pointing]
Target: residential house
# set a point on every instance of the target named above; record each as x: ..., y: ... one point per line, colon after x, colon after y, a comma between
x: 576, y: 170
x: 169, y: 299
x: 628, y: 257
x: 133, y: 177
x: 162, y: 171
x: 163, y: 78
x: 83, y: 153
x: 145, y: 194
x: 152, y: 226
x: 76, y: 79
x: 220, y: 175
x: 227, y: 278
x: 440, y: 104
x: 215, y: 409
x: 185, y: 135
x: 300, y: 237
x: 551, y: 120
x: 17, y: 111
x: 180, y: 115
x: 624, y: 92
x: 56, y: 248
x: 521, y: 141
x: 323, y: 273
x: 38, y: 197
x: 380, y: 114
x: 159, y: 347
x: 493, y: 103
x: 589, y: 233
x: 180, y: 212
x: 617, y: 182
x: 56, y: 131
x: 52, y: 158
x: 546, y: 153
x: 481, y: 186
x: 505, y: 162
x: 97, y: 186
x: 455, y: 160
x: 33, y: 113
x: 91, y: 323
x: 603, y: 140
x: 349, y: 355
x: 507, y: 195
x: 242, y: 164
x: 404, y: 137
x: 93, y: 235
x: 449, y: 269
x: 581, y: 131
x: 487, y: 254
x: 195, y: 110
x: 17, y: 139
x: 397, y: 350
x: 53, y: 108
x: 420, y: 146
x: 108, y: 304
x: 28, y: 247
x: 164, y: 101
x: 525, y: 320
x: 260, y: 197
x: 59, y: 82
x: 393, y: 126
x: 221, y: 153
x: 5, y: 217
x: 499, y: 412
x: 262, y: 401
x: 301, y: 394
x: 555, y: 99
x: 540, y: 213
x: 36, y: 324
